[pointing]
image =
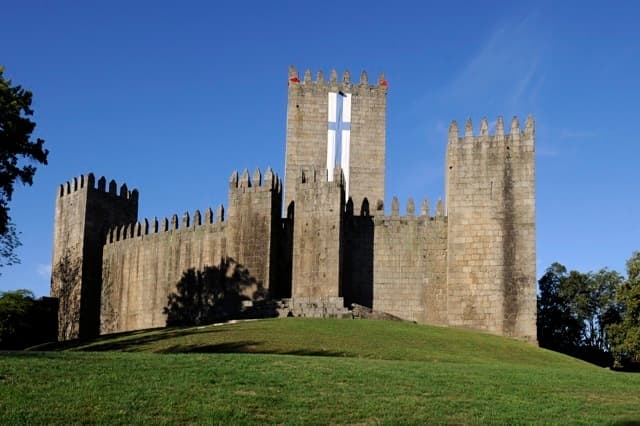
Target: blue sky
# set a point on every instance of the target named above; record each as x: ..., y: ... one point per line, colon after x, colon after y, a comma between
x: 171, y: 97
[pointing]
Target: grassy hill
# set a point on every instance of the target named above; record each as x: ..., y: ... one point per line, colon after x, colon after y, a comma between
x: 310, y: 371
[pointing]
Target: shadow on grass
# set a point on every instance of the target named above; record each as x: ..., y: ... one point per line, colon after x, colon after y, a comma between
x: 75, y: 343
x: 247, y: 347
x: 135, y: 344
x: 125, y: 341
x: 31, y: 354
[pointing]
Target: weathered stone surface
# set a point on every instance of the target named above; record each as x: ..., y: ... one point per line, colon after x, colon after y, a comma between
x: 491, y: 282
x: 139, y: 273
x: 317, y: 237
x: 307, y: 134
x: 83, y: 219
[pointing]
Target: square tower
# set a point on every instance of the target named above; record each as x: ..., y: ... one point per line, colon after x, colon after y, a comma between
x: 84, y: 215
x: 337, y: 125
x: 491, y: 243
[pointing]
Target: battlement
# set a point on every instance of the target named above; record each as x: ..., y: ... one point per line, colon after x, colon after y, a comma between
x: 155, y: 226
x: 410, y: 211
x: 294, y: 80
x: 318, y: 177
x: 525, y: 135
x: 89, y: 183
x: 271, y: 181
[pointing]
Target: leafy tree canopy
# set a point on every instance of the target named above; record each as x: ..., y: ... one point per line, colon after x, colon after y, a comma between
x: 576, y: 310
x: 19, y: 156
x: 25, y: 321
x: 625, y: 335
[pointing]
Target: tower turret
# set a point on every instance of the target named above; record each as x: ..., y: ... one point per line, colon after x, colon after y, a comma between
x: 253, y: 225
x: 337, y: 124
x: 84, y: 215
x: 318, y: 235
x: 491, y: 269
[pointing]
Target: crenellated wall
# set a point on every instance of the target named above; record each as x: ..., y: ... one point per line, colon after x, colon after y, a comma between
x: 409, y: 263
x: 144, y: 261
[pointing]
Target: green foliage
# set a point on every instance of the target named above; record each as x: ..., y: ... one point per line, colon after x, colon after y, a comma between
x: 305, y: 371
x: 559, y: 327
x: 575, y: 311
x: 9, y: 242
x: 625, y: 334
x: 18, y: 154
x: 15, y: 307
x: 25, y: 321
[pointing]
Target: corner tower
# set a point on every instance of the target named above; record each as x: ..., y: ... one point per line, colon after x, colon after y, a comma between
x: 491, y: 245
x: 337, y: 125
x: 84, y: 215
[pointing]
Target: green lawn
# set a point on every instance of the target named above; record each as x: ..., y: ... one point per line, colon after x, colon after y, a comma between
x: 310, y: 371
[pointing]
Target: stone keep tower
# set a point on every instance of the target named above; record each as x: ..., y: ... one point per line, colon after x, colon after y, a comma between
x: 318, y: 235
x: 337, y: 124
x: 84, y: 215
x: 491, y: 252
x: 253, y: 224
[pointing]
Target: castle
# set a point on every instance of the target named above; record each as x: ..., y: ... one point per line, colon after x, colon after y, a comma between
x: 328, y: 243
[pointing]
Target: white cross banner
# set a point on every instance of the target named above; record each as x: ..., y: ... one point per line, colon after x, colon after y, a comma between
x: 339, y: 131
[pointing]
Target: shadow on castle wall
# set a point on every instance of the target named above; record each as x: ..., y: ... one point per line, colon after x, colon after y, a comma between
x: 217, y: 293
x: 358, y: 256
x: 67, y: 289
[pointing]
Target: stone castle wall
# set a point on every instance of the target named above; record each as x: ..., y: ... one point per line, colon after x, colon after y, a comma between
x: 144, y: 261
x: 409, y: 258
x: 141, y: 270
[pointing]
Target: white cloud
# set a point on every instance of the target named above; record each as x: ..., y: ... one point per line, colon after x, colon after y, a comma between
x: 508, y: 70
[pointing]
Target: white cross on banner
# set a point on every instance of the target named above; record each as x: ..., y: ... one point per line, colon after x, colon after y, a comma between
x: 339, y: 130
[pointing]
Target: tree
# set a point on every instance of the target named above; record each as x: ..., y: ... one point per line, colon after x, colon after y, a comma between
x: 14, y: 311
x: 575, y: 311
x: 604, y: 308
x: 625, y: 334
x: 18, y: 154
x: 591, y: 299
x: 25, y: 321
x: 559, y: 327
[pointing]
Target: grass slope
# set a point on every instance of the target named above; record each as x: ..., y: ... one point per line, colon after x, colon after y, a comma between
x: 310, y: 371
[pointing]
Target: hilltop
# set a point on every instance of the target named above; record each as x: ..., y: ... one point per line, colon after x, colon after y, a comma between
x: 309, y: 371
